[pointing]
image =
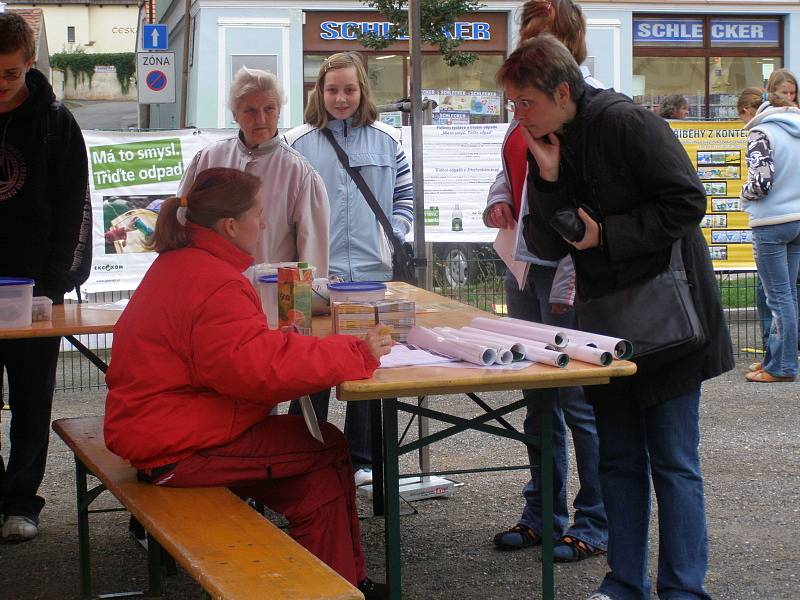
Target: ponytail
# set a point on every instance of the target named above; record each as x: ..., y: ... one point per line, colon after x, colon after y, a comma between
x: 169, y: 233
x: 562, y: 18
x: 216, y: 193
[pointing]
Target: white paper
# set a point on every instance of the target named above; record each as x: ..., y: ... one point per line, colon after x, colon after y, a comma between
x: 589, y: 354
x: 523, y: 364
x: 118, y: 305
x: 505, y: 244
x: 532, y: 349
x: 620, y: 348
x: 310, y: 418
x: 521, y: 329
x: 430, y: 340
x: 504, y: 353
x: 403, y: 356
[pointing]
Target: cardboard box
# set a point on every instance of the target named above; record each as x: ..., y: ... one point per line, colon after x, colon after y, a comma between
x: 294, y: 298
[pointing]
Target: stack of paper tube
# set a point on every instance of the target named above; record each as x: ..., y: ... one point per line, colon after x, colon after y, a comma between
x: 487, y: 341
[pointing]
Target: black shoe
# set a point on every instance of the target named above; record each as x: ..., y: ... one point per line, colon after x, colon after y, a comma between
x: 373, y: 590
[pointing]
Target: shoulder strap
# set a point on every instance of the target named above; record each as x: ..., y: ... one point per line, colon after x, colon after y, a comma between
x: 358, y: 179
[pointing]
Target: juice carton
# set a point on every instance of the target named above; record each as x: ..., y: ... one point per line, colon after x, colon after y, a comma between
x: 294, y: 297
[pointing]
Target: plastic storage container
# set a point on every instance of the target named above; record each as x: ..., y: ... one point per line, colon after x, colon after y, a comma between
x: 268, y: 291
x: 42, y: 309
x: 357, y: 291
x: 16, y: 299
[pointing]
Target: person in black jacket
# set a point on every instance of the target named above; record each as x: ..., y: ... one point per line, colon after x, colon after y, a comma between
x: 625, y: 163
x: 43, y: 184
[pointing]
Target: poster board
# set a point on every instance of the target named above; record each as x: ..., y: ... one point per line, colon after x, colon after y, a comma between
x: 718, y: 151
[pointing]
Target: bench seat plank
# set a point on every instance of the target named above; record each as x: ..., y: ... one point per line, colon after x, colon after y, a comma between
x: 226, y: 546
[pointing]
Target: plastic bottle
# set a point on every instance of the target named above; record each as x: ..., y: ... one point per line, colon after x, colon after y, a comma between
x: 457, y: 223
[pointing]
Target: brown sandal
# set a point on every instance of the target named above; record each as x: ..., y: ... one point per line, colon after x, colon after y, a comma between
x: 761, y: 376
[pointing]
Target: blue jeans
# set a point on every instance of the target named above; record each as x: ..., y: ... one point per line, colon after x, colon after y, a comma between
x: 659, y: 442
x: 31, y: 368
x: 568, y: 408
x: 778, y: 262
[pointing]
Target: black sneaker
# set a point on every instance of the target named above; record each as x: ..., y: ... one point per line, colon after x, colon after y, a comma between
x: 373, y: 590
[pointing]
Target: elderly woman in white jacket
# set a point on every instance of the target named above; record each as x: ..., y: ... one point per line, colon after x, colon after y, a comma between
x: 293, y: 198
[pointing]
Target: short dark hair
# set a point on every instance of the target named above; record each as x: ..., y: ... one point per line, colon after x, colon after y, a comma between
x: 16, y: 34
x: 671, y: 105
x: 542, y: 62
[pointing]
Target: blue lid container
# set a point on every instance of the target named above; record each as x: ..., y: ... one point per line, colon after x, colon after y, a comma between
x: 268, y: 279
x: 15, y: 281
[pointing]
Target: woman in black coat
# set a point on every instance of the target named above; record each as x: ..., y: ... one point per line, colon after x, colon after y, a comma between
x: 642, y: 194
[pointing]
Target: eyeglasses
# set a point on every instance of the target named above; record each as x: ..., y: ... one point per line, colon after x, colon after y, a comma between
x: 512, y: 105
x: 11, y: 76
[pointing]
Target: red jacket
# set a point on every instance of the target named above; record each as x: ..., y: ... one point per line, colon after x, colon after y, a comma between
x: 515, y: 158
x: 194, y: 365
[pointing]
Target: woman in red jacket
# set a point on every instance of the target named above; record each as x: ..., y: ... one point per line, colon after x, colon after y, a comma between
x: 196, y: 371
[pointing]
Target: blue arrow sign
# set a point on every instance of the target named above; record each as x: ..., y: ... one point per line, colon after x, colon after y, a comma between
x: 154, y: 37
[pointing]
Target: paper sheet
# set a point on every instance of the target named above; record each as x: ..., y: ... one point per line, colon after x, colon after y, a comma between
x: 118, y: 305
x: 403, y: 356
x: 505, y: 244
x: 310, y: 418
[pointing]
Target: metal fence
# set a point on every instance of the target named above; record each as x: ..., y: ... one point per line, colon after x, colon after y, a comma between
x: 477, y: 281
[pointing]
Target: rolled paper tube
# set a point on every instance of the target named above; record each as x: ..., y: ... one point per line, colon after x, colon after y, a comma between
x: 589, y: 354
x: 505, y: 350
x: 430, y: 340
x: 540, y: 352
x: 518, y: 344
x: 621, y: 348
x: 547, y: 357
x: 522, y: 329
x: 503, y: 355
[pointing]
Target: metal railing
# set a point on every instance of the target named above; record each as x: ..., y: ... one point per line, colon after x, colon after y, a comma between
x: 477, y: 281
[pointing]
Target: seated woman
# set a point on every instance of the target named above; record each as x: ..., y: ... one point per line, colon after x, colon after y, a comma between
x: 195, y: 373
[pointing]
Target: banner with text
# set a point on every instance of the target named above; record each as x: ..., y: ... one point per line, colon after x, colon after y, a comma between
x: 131, y: 174
x: 718, y: 152
x: 461, y: 163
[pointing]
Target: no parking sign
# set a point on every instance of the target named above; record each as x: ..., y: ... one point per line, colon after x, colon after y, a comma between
x: 155, y: 75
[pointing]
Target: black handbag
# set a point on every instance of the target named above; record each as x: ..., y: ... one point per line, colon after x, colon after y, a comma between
x: 403, y: 263
x: 657, y: 315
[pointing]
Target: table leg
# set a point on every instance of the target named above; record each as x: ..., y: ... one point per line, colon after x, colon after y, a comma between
x: 546, y: 464
x: 377, y: 457
x: 83, y: 528
x: 392, y: 498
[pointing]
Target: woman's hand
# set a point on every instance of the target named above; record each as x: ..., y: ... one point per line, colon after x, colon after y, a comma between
x: 501, y: 216
x: 591, y: 239
x: 546, y: 155
x: 379, y: 341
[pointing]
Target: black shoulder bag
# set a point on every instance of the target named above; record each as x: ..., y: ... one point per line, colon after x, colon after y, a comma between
x: 657, y: 315
x: 403, y: 266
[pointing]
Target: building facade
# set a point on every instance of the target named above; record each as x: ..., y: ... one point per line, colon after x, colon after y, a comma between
x: 646, y: 49
x: 91, y: 26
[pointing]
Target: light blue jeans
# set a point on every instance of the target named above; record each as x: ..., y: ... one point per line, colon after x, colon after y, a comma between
x: 778, y: 262
x: 570, y: 409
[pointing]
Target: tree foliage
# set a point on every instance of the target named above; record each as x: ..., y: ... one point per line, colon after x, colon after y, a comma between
x: 82, y: 65
x: 437, y: 18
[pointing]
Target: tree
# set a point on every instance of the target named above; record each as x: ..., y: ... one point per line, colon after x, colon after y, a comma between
x: 438, y: 17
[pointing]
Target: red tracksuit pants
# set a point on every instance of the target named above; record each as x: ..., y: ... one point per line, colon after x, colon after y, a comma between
x: 279, y: 463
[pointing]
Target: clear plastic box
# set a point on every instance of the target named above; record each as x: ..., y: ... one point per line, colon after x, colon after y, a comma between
x: 16, y: 298
x: 42, y: 309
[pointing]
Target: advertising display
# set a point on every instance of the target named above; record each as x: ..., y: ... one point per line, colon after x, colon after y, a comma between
x: 461, y: 163
x: 718, y: 152
x: 130, y: 175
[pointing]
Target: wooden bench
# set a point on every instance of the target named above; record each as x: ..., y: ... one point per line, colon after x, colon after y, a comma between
x: 231, y: 550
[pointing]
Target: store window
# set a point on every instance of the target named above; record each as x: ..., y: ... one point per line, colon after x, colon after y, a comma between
x: 710, y: 60
x: 465, y: 94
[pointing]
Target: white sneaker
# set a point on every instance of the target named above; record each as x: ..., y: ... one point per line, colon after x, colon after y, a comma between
x: 599, y: 596
x: 363, y: 477
x: 19, y: 529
